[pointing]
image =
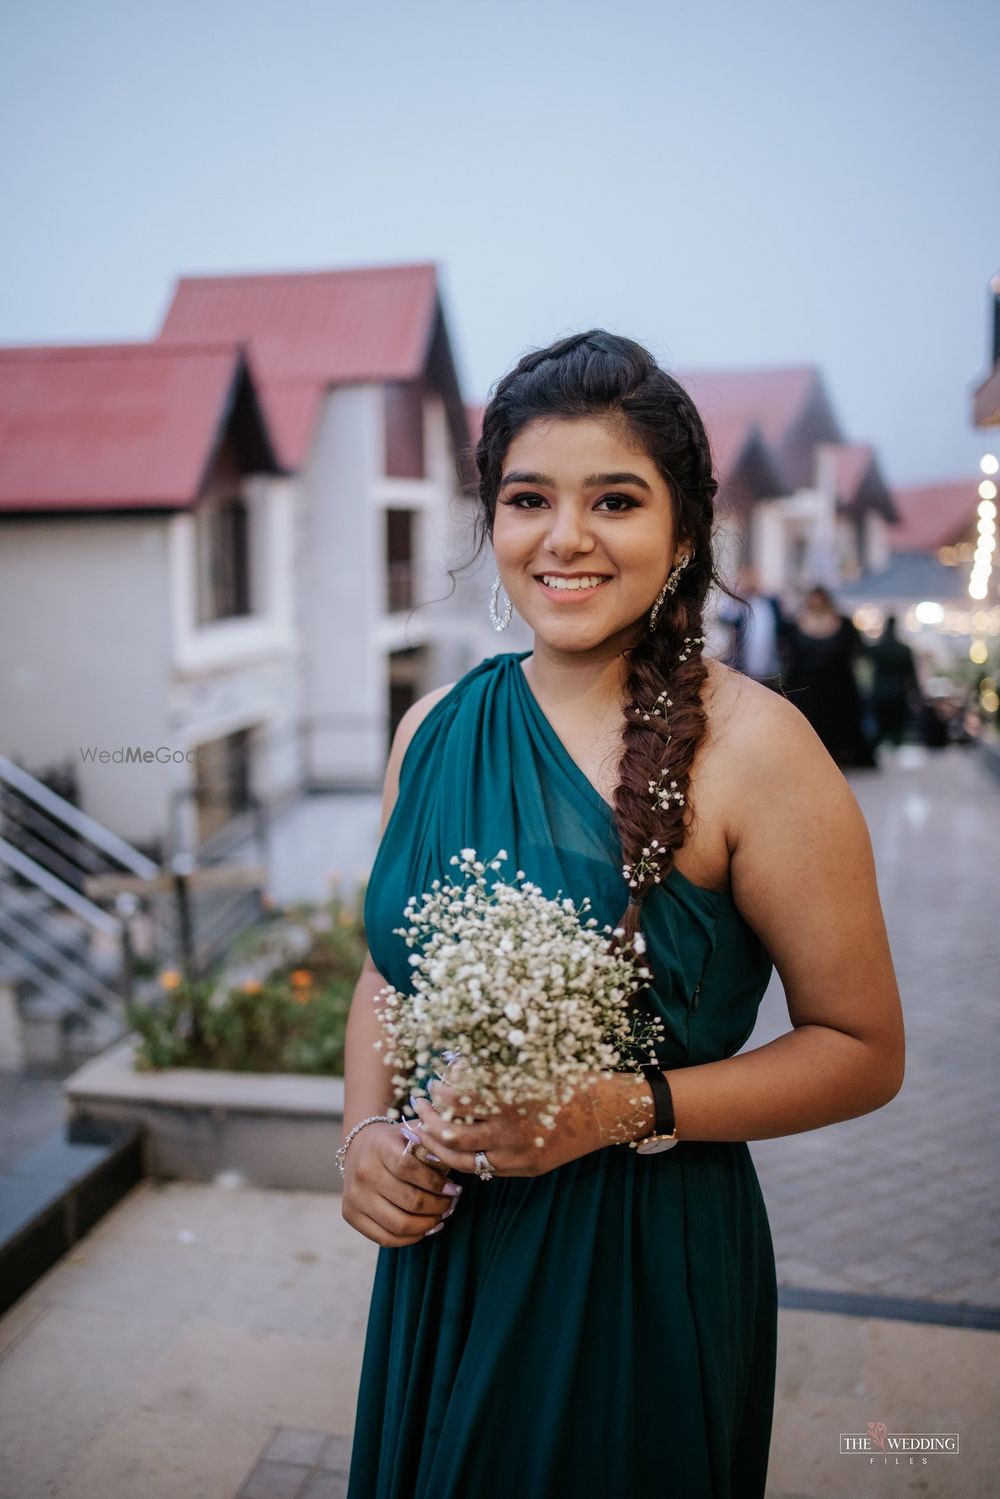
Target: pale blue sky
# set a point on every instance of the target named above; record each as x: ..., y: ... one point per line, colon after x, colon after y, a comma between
x: 786, y: 181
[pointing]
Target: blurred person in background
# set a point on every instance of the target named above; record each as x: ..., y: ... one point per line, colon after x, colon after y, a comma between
x: 758, y: 629
x: 895, y: 690
x: 823, y: 647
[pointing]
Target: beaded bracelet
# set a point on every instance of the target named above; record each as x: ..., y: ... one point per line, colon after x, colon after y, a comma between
x: 341, y: 1155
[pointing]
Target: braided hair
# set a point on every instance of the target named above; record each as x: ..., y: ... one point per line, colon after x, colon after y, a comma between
x: 600, y: 374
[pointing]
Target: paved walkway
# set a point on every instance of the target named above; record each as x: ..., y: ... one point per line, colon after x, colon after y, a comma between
x: 904, y: 1201
x: 204, y: 1343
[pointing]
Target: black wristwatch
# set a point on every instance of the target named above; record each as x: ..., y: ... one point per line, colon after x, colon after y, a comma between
x: 663, y: 1135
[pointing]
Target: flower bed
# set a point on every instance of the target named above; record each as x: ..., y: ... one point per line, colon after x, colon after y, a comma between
x: 238, y: 1078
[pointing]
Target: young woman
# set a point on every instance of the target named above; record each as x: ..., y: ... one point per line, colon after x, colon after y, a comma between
x: 588, y: 1318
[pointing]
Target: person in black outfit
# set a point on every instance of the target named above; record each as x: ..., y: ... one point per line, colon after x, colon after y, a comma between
x: 822, y: 647
x: 895, y: 685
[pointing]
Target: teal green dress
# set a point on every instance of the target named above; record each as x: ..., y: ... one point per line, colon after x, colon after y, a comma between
x: 606, y: 1330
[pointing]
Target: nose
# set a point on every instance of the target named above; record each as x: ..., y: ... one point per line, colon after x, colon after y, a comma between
x: 568, y: 535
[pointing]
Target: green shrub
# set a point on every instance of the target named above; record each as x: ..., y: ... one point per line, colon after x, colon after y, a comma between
x: 293, y: 1021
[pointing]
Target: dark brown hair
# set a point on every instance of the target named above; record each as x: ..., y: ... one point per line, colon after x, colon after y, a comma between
x: 601, y: 374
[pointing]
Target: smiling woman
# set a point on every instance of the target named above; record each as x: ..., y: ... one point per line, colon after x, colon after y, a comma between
x: 591, y: 1320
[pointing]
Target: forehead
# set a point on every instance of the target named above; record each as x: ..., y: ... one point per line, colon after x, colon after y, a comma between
x: 569, y: 447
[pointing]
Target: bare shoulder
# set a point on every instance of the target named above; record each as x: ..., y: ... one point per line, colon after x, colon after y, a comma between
x: 760, y: 727
x: 762, y: 758
x: 405, y: 730
x: 415, y: 715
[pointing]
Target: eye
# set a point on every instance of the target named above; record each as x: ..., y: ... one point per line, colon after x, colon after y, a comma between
x: 626, y: 502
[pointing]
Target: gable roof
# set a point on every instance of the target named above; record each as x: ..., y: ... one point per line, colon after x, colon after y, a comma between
x: 852, y: 469
x: 119, y: 426
x: 308, y: 330
x: 934, y: 515
x: 776, y: 399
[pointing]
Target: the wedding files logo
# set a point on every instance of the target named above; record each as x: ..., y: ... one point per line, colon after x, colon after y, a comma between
x: 134, y: 754
x: 880, y: 1445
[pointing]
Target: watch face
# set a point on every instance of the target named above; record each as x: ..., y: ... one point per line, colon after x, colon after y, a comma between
x: 655, y: 1144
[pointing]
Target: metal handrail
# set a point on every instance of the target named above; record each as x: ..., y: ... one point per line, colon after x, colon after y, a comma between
x: 59, y: 891
x: 58, y: 807
x: 57, y: 965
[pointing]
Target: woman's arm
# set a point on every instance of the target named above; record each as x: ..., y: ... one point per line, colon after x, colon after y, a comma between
x: 367, y: 1083
x: 803, y: 876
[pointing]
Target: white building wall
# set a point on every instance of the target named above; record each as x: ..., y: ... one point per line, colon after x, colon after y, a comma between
x: 85, y: 657
x: 238, y: 673
x: 340, y: 578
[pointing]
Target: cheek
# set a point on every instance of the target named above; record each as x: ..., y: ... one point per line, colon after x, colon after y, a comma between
x: 512, y: 543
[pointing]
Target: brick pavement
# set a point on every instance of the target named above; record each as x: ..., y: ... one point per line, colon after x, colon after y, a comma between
x: 904, y: 1201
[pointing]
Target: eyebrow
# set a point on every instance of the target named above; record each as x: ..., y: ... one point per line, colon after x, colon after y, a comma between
x: 592, y: 481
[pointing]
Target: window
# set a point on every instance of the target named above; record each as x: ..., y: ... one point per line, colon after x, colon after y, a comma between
x: 404, y: 430
x: 223, y: 558
x: 222, y: 781
x: 399, y: 560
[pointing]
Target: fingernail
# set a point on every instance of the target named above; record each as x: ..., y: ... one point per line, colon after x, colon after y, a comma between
x: 449, y: 1212
x: 435, y: 1230
x: 452, y: 1189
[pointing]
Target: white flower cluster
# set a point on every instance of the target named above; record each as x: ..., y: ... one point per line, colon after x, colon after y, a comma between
x: 649, y: 864
x: 690, y: 641
x: 528, y: 994
x: 657, y: 710
x: 664, y: 795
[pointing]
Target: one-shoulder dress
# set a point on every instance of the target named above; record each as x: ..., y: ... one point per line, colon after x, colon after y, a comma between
x: 606, y: 1330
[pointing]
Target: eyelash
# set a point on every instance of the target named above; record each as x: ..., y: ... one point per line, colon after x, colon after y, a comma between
x: 630, y: 503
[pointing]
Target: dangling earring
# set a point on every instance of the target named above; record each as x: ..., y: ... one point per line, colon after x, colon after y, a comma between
x: 499, y: 624
x: 668, y: 587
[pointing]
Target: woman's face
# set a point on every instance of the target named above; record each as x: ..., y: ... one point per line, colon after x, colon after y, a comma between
x: 575, y: 499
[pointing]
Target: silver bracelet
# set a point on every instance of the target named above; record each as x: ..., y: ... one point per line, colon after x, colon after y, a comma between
x: 341, y: 1155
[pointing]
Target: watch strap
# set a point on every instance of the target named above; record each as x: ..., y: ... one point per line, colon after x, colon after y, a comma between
x: 663, y: 1119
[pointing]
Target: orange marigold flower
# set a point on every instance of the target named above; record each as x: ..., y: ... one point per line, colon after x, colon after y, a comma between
x: 252, y: 986
x: 170, y: 979
x: 301, y: 978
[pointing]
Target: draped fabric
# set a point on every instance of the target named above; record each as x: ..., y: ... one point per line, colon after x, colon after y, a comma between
x: 607, y: 1328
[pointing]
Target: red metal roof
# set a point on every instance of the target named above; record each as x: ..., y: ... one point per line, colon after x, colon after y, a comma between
x: 732, y: 403
x: 110, y: 426
x: 773, y: 398
x: 851, y: 462
x: 935, y: 515
x: 305, y: 331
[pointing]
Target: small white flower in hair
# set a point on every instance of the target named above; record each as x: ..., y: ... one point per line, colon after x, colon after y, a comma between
x: 664, y: 795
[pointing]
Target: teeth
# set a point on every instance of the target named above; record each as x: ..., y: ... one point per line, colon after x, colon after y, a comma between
x: 591, y: 582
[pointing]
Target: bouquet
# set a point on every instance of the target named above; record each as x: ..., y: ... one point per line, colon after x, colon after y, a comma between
x: 521, y: 993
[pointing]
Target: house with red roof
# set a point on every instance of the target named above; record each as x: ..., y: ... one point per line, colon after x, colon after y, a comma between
x: 233, y: 542
x: 145, y: 531
x: 820, y: 511
x: 924, y: 582
x: 359, y: 387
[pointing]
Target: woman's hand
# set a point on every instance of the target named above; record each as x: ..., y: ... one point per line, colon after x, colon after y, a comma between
x: 389, y: 1195
x: 606, y: 1108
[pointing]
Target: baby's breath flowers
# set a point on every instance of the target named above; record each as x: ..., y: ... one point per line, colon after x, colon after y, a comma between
x: 663, y: 795
x: 647, y: 866
x: 656, y: 711
x: 522, y: 990
x: 690, y: 641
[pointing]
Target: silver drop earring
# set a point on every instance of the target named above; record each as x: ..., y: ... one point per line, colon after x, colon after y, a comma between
x: 669, y: 586
x: 498, y: 623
